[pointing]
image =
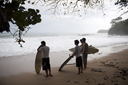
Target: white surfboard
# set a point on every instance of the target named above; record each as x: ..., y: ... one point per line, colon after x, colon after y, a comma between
x: 91, y: 50
x: 38, y: 62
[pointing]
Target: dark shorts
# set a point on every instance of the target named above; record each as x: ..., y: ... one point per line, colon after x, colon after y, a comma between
x: 85, y: 57
x: 45, y: 63
x: 78, y: 61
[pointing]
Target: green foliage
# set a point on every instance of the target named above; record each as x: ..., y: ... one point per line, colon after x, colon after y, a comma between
x: 119, y: 28
x: 18, y: 15
x: 14, y: 12
x: 123, y: 4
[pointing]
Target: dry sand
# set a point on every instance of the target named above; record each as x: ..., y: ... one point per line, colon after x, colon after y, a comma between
x: 109, y: 70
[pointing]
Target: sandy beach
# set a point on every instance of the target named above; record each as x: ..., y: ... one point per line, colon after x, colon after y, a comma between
x: 109, y: 70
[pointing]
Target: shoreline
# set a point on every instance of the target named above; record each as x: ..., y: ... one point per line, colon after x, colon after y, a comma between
x: 110, y: 69
x: 7, y: 64
x: 101, y: 50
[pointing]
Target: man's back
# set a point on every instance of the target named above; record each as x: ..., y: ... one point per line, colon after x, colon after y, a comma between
x: 45, y: 51
x: 77, y: 51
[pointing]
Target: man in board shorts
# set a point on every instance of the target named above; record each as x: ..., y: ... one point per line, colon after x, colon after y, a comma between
x: 45, y: 58
x: 77, y: 51
x: 84, y: 52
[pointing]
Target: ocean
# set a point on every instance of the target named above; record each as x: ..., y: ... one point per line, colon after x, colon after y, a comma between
x: 56, y: 42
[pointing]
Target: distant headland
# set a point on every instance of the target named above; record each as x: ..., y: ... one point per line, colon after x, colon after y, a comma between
x: 118, y: 27
x: 102, y: 31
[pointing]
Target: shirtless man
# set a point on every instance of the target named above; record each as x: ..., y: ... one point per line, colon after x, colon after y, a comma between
x: 84, y: 52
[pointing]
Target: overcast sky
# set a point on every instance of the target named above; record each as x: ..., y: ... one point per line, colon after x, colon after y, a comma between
x: 90, y: 22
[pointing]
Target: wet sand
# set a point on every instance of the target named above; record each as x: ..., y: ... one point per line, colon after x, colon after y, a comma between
x: 109, y: 70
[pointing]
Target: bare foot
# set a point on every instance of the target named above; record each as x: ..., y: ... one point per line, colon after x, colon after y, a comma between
x: 46, y: 76
x: 78, y: 74
x: 51, y: 75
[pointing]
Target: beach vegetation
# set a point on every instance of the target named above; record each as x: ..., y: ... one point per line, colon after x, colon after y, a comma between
x: 118, y: 25
x: 119, y: 28
x: 13, y: 11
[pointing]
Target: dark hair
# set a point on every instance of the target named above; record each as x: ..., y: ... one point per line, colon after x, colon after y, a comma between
x: 81, y: 40
x: 76, y: 42
x: 84, y: 39
x: 43, y: 42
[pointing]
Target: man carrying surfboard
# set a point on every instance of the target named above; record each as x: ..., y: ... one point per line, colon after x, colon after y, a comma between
x: 84, y: 52
x: 77, y: 51
x: 45, y: 58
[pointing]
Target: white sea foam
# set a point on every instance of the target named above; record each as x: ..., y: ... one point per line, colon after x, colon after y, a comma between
x: 56, y: 42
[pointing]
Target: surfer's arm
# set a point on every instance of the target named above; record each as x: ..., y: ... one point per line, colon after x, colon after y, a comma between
x: 74, y: 53
x: 39, y: 48
x: 83, y: 49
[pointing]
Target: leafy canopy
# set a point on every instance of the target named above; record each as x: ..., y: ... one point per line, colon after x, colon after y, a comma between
x: 14, y: 12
